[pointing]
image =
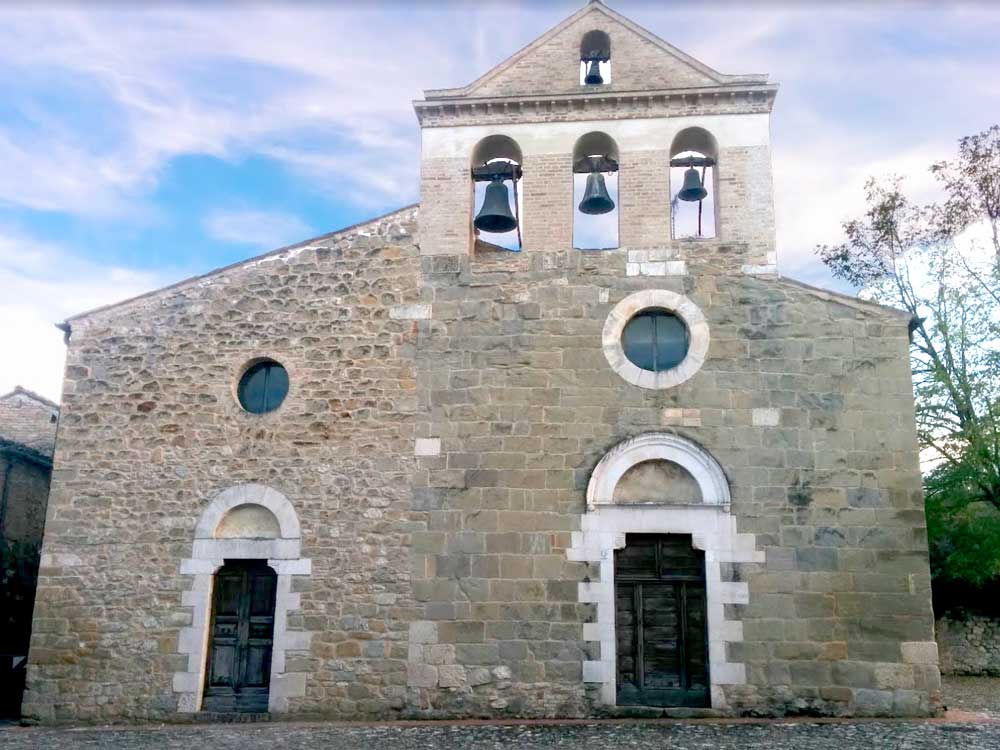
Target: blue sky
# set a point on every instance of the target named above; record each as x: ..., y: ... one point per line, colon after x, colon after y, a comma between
x: 143, y: 144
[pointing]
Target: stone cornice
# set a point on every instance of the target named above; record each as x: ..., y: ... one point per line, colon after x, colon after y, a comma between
x: 446, y: 110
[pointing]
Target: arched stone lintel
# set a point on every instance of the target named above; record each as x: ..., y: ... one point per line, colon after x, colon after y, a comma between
x: 651, y: 446
x: 249, y: 494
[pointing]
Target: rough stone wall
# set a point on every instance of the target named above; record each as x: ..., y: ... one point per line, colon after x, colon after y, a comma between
x: 151, y: 432
x: 805, y: 402
x: 969, y: 646
x: 554, y: 67
x: 29, y: 421
x: 440, y: 583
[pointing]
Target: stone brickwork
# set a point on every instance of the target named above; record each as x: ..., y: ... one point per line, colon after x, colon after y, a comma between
x: 151, y: 433
x: 745, y: 208
x: 969, y: 645
x: 640, y: 61
x: 458, y: 420
x: 554, y: 68
x: 804, y: 400
x: 444, y: 419
x: 536, y: 99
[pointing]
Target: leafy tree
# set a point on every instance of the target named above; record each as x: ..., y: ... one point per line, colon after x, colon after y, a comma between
x: 927, y: 261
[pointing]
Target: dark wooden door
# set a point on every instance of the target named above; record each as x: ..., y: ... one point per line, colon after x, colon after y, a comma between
x: 660, y: 622
x: 242, y: 632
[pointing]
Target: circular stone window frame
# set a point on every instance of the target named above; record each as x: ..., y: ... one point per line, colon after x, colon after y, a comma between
x: 662, y: 299
x: 234, y: 386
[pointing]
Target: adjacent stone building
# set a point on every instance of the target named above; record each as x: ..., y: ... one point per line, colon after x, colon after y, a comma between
x: 27, y: 437
x: 403, y: 471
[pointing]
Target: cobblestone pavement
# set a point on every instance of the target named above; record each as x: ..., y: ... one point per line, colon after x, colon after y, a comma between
x: 979, y: 695
x: 680, y: 736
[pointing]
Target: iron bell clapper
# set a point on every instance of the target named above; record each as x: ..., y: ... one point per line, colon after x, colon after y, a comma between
x: 692, y: 190
x: 595, y: 198
x: 495, y: 215
x: 594, y: 74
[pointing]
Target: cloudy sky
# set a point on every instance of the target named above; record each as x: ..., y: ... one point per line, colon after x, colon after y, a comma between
x: 142, y: 143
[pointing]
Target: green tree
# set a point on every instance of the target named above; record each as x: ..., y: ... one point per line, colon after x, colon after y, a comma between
x: 926, y: 260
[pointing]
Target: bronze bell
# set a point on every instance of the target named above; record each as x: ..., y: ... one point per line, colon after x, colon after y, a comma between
x: 692, y: 189
x: 595, y: 198
x: 594, y: 74
x: 495, y: 215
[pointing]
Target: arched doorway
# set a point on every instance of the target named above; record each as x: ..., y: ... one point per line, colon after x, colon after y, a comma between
x: 658, y: 517
x: 241, y: 637
x: 247, y: 550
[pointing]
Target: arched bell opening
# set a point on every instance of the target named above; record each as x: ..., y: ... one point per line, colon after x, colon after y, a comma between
x: 595, y: 58
x: 497, y: 203
x: 595, y: 192
x: 694, y: 156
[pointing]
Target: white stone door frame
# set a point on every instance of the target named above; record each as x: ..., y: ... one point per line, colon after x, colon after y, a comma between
x: 209, y: 552
x: 712, y: 528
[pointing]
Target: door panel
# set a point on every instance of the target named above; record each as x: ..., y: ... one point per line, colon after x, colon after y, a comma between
x: 242, y: 631
x: 660, y: 622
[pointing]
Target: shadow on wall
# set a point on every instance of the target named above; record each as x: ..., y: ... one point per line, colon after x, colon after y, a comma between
x: 24, y: 490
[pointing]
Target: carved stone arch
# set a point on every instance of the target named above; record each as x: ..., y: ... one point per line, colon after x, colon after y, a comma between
x: 213, y: 545
x: 249, y: 494
x: 652, y: 446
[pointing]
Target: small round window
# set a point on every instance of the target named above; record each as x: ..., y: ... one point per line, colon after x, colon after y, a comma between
x: 263, y: 387
x: 655, y: 340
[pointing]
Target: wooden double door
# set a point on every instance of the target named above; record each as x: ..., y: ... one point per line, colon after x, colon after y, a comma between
x: 660, y: 622
x: 242, y: 636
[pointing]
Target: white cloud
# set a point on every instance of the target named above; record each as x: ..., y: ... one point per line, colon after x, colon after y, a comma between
x: 144, y: 86
x: 265, y: 229
x: 42, y: 285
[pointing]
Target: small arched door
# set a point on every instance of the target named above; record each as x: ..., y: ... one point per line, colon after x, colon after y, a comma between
x: 242, y: 636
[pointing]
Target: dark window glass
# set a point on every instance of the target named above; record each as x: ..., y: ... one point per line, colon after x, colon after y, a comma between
x: 263, y: 387
x: 655, y: 340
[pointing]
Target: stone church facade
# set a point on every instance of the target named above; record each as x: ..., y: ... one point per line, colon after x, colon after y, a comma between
x: 452, y: 492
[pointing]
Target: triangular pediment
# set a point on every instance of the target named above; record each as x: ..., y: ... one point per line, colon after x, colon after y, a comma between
x: 640, y: 61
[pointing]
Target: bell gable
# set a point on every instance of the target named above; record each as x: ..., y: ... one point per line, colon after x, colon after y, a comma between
x: 639, y: 61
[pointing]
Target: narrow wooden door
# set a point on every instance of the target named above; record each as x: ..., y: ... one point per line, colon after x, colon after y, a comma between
x: 242, y: 632
x: 660, y: 622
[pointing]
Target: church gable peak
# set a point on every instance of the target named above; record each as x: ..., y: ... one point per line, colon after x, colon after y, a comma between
x: 599, y: 50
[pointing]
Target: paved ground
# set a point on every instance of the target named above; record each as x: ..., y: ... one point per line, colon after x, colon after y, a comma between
x: 685, y: 736
x: 977, y: 695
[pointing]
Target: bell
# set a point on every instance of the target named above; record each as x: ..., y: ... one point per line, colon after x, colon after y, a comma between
x: 495, y: 215
x: 593, y: 74
x: 595, y: 198
x: 692, y: 190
